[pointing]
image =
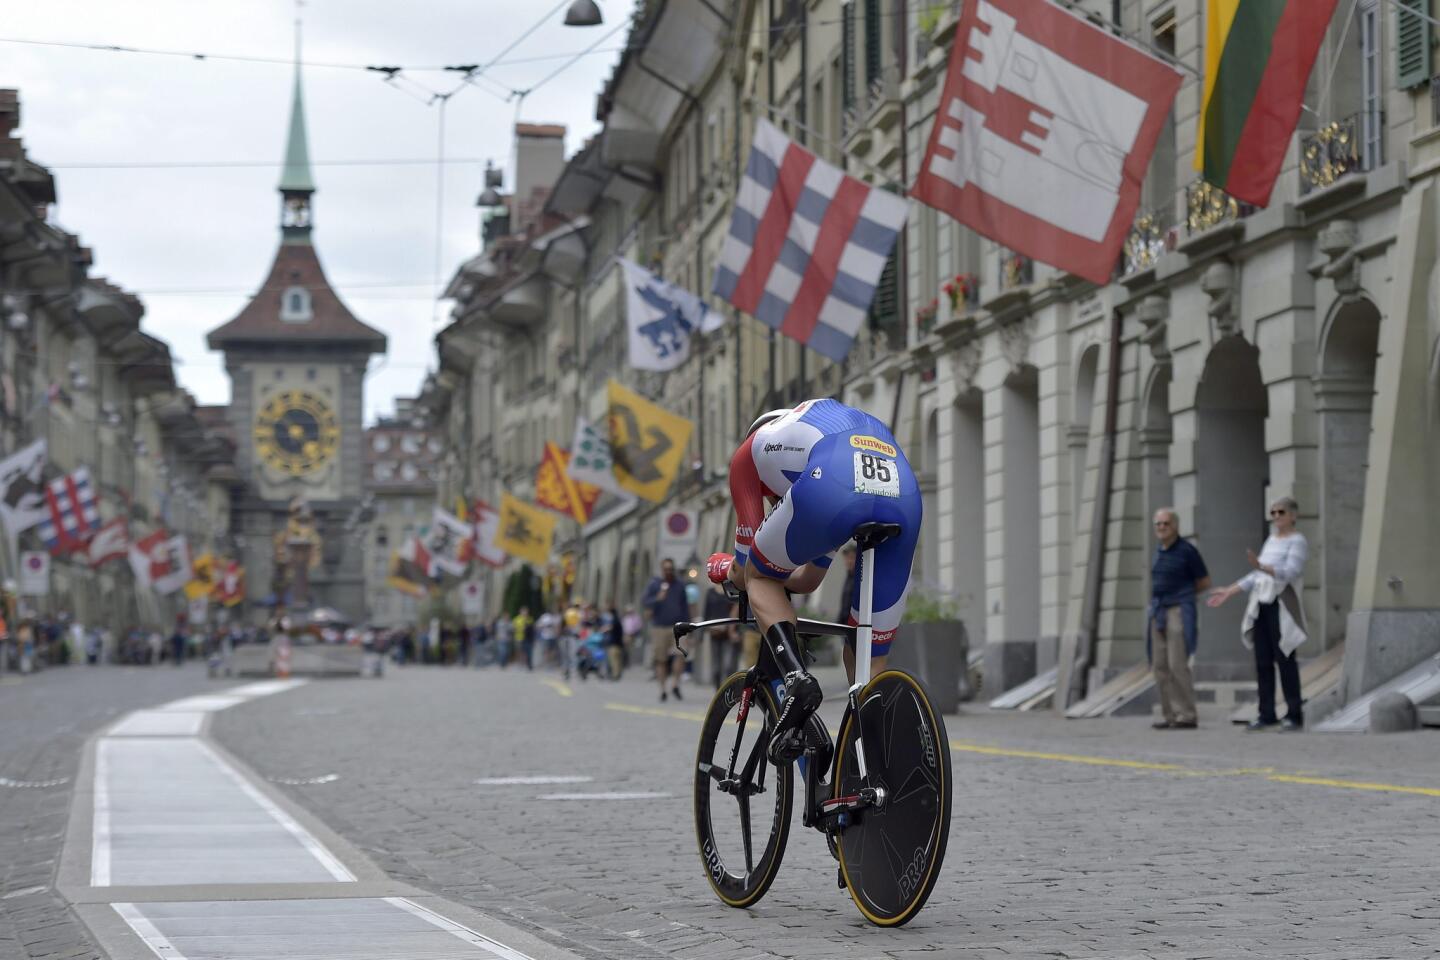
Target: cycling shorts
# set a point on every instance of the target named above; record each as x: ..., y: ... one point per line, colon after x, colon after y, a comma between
x: 849, y: 479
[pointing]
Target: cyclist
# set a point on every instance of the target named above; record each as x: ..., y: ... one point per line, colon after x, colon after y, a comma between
x: 826, y: 468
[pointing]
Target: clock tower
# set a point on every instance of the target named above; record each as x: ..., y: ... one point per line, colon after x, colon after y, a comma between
x: 297, y: 358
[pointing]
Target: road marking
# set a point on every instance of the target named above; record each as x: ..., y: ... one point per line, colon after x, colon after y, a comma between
x: 967, y: 747
x: 327, y: 859
x: 463, y: 932
x: 637, y: 795
x: 148, y: 932
x: 656, y: 712
x: 100, y: 831
x: 1089, y: 760
x: 525, y: 781
x: 1355, y: 785
x: 305, y: 781
x: 22, y: 892
x: 561, y: 688
x: 32, y: 784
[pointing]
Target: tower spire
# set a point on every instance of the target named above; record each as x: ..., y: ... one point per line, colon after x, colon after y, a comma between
x: 296, y: 181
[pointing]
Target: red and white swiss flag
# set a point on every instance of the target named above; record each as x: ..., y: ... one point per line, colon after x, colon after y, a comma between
x: 1044, y: 131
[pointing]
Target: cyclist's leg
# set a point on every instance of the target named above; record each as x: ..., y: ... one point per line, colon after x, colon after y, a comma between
x: 893, y: 560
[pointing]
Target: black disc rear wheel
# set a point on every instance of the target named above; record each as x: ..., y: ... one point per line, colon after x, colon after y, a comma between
x: 741, y: 822
x: 890, y: 856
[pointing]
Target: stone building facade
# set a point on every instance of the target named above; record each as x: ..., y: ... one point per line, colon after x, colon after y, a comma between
x: 1237, y: 355
x: 401, y: 469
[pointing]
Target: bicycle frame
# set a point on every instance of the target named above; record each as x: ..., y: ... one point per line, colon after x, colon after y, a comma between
x: 824, y: 815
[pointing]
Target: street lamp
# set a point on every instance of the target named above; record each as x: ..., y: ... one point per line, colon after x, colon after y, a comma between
x: 583, y: 13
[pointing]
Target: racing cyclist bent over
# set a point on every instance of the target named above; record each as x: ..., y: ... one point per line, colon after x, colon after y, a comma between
x: 825, y: 468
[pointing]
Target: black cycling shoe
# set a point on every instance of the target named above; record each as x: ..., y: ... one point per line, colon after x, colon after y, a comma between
x: 802, y: 698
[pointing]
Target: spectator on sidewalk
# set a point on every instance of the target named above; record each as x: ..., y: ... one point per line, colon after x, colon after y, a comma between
x: 504, y: 640
x: 178, y: 641
x: 1177, y: 573
x: 665, y: 601
x: 547, y: 628
x: 525, y: 636
x: 634, y: 627
x: 1274, y: 624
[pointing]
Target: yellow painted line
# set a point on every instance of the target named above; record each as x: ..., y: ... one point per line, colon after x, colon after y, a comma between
x: 1356, y: 785
x: 965, y: 746
x: 656, y: 712
x: 1064, y: 757
x: 10, y: 681
x: 561, y: 688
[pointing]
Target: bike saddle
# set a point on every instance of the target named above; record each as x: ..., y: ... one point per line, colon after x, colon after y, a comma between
x: 874, y: 533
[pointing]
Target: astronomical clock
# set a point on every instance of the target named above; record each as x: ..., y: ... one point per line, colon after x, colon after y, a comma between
x: 296, y: 433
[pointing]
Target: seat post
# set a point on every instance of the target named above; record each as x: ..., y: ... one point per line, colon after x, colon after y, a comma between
x: 864, y: 633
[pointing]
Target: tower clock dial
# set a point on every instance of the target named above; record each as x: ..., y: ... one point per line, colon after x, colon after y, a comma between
x: 296, y: 433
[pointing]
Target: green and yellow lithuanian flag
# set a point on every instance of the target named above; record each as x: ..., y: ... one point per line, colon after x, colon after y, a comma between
x: 1258, y: 55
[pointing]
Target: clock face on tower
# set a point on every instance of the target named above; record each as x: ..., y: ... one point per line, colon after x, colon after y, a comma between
x: 296, y: 433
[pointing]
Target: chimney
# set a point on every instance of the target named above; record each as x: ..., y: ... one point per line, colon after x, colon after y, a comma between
x: 10, y: 147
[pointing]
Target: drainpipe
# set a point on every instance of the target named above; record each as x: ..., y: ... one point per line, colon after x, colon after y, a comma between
x: 1099, y: 523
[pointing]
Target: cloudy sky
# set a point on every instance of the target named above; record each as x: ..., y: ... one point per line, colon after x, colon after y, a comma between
x: 194, y: 239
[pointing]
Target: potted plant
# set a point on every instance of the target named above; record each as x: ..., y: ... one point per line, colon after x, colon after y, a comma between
x: 934, y: 646
x: 925, y: 317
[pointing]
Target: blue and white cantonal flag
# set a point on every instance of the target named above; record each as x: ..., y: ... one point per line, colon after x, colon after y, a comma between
x: 662, y: 317
x: 807, y: 244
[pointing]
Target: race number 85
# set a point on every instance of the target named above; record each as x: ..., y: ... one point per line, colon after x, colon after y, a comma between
x: 874, y: 468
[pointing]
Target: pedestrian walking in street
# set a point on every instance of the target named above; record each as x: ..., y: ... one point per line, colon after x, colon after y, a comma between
x: 525, y: 636
x: 504, y: 640
x: 614, y: 640
x: 724, y: 642
x: 1177, y: 574
x: 178, y: 641
x: 634, y: 627
x: 665, y: 601
x: 1274, y: 624
x: 547, y: 630
x: 479, y: 638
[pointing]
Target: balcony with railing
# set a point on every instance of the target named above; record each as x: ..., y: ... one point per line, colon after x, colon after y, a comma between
x: 1329, y: 154
x: 876, y: 107
x: 785, y: 26
x: 1207, y: 206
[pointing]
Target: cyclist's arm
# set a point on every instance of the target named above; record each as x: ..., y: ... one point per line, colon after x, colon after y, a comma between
x: 748, y: 495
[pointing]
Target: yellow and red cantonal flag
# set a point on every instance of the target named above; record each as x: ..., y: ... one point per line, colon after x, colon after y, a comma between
x: 1258, y: 57
x: 557, y: 490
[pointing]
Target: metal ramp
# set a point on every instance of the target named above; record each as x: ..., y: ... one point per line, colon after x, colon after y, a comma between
x: 1419, y: 683
x: 1121, y: 690
x: 1030, y: 694
x: 1318, y: 676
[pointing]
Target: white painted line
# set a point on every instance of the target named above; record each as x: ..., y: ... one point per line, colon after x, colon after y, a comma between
x: 158, y: 723
x: 605, y: 796
x: 528, y: 781
x: 145, y: 930
x: 264, y: 688
x: 100, y: 832
x: 494, y: 947
x: 202, y: 703
x: 313, y: 846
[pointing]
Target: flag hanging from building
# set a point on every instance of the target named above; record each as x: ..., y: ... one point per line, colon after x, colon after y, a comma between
x: 410, y: 569
x: 230, y: 588
x: 662, y: 317
x: 525, y: 530
x: 448, y: 541
x: 557, y: 490
x: 22, y: 489
x: 647, y: 441
x: 111, y: 542
x: 1258, y: 58
x: 807, y: 244
x: 170, y: 565
x: 142, y: 563
x: 73, y: 513
x: 1044, y: 130
x: 590, y: 459
x: 486, y: 521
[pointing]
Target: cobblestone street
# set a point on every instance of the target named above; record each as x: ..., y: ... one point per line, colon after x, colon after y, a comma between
x: 45, y: 719
x: 1070, y: 839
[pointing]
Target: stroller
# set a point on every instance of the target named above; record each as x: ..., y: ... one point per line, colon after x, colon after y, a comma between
x: 590, y: 655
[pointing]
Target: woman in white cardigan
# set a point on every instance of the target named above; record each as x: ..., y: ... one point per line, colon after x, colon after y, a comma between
x: 1275, y: 624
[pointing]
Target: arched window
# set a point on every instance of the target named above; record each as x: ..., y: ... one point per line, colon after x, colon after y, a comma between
x: 295, y: 305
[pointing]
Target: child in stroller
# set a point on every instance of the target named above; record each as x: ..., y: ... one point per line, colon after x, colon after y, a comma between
x: 590, y: 653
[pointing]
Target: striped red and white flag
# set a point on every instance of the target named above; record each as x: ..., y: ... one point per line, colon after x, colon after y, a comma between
x: 807, y: 244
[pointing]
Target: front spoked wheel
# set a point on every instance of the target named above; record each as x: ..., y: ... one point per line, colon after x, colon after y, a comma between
x: 890, y: 856
x: 742, y: 820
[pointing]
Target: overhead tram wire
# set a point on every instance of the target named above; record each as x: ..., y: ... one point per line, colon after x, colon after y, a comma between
x: 250, y: 164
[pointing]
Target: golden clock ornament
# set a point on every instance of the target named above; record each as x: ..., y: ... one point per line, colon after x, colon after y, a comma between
x: 296, y: 433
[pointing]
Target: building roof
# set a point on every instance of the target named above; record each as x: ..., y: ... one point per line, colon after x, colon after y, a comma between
x: 296, y: 265
x: 539, y: 129
x: 296, y: 177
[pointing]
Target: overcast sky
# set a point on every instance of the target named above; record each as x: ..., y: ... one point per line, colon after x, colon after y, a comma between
x: 194, y: 242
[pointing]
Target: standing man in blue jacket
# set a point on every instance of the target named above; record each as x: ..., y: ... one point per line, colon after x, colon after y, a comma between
x: 1177, y: 574
x: 666, y: 602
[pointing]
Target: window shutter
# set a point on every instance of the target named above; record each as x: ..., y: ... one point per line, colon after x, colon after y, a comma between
x: 1412, y: 45
x: 884, y: 309
x: 872, y: 41
x: 847, y: 56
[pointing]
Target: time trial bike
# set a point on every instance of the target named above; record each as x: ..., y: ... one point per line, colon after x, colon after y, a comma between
x: 881, y: 798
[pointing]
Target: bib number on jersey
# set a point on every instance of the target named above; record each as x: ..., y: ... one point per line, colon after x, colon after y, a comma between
x: 876, y: 475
